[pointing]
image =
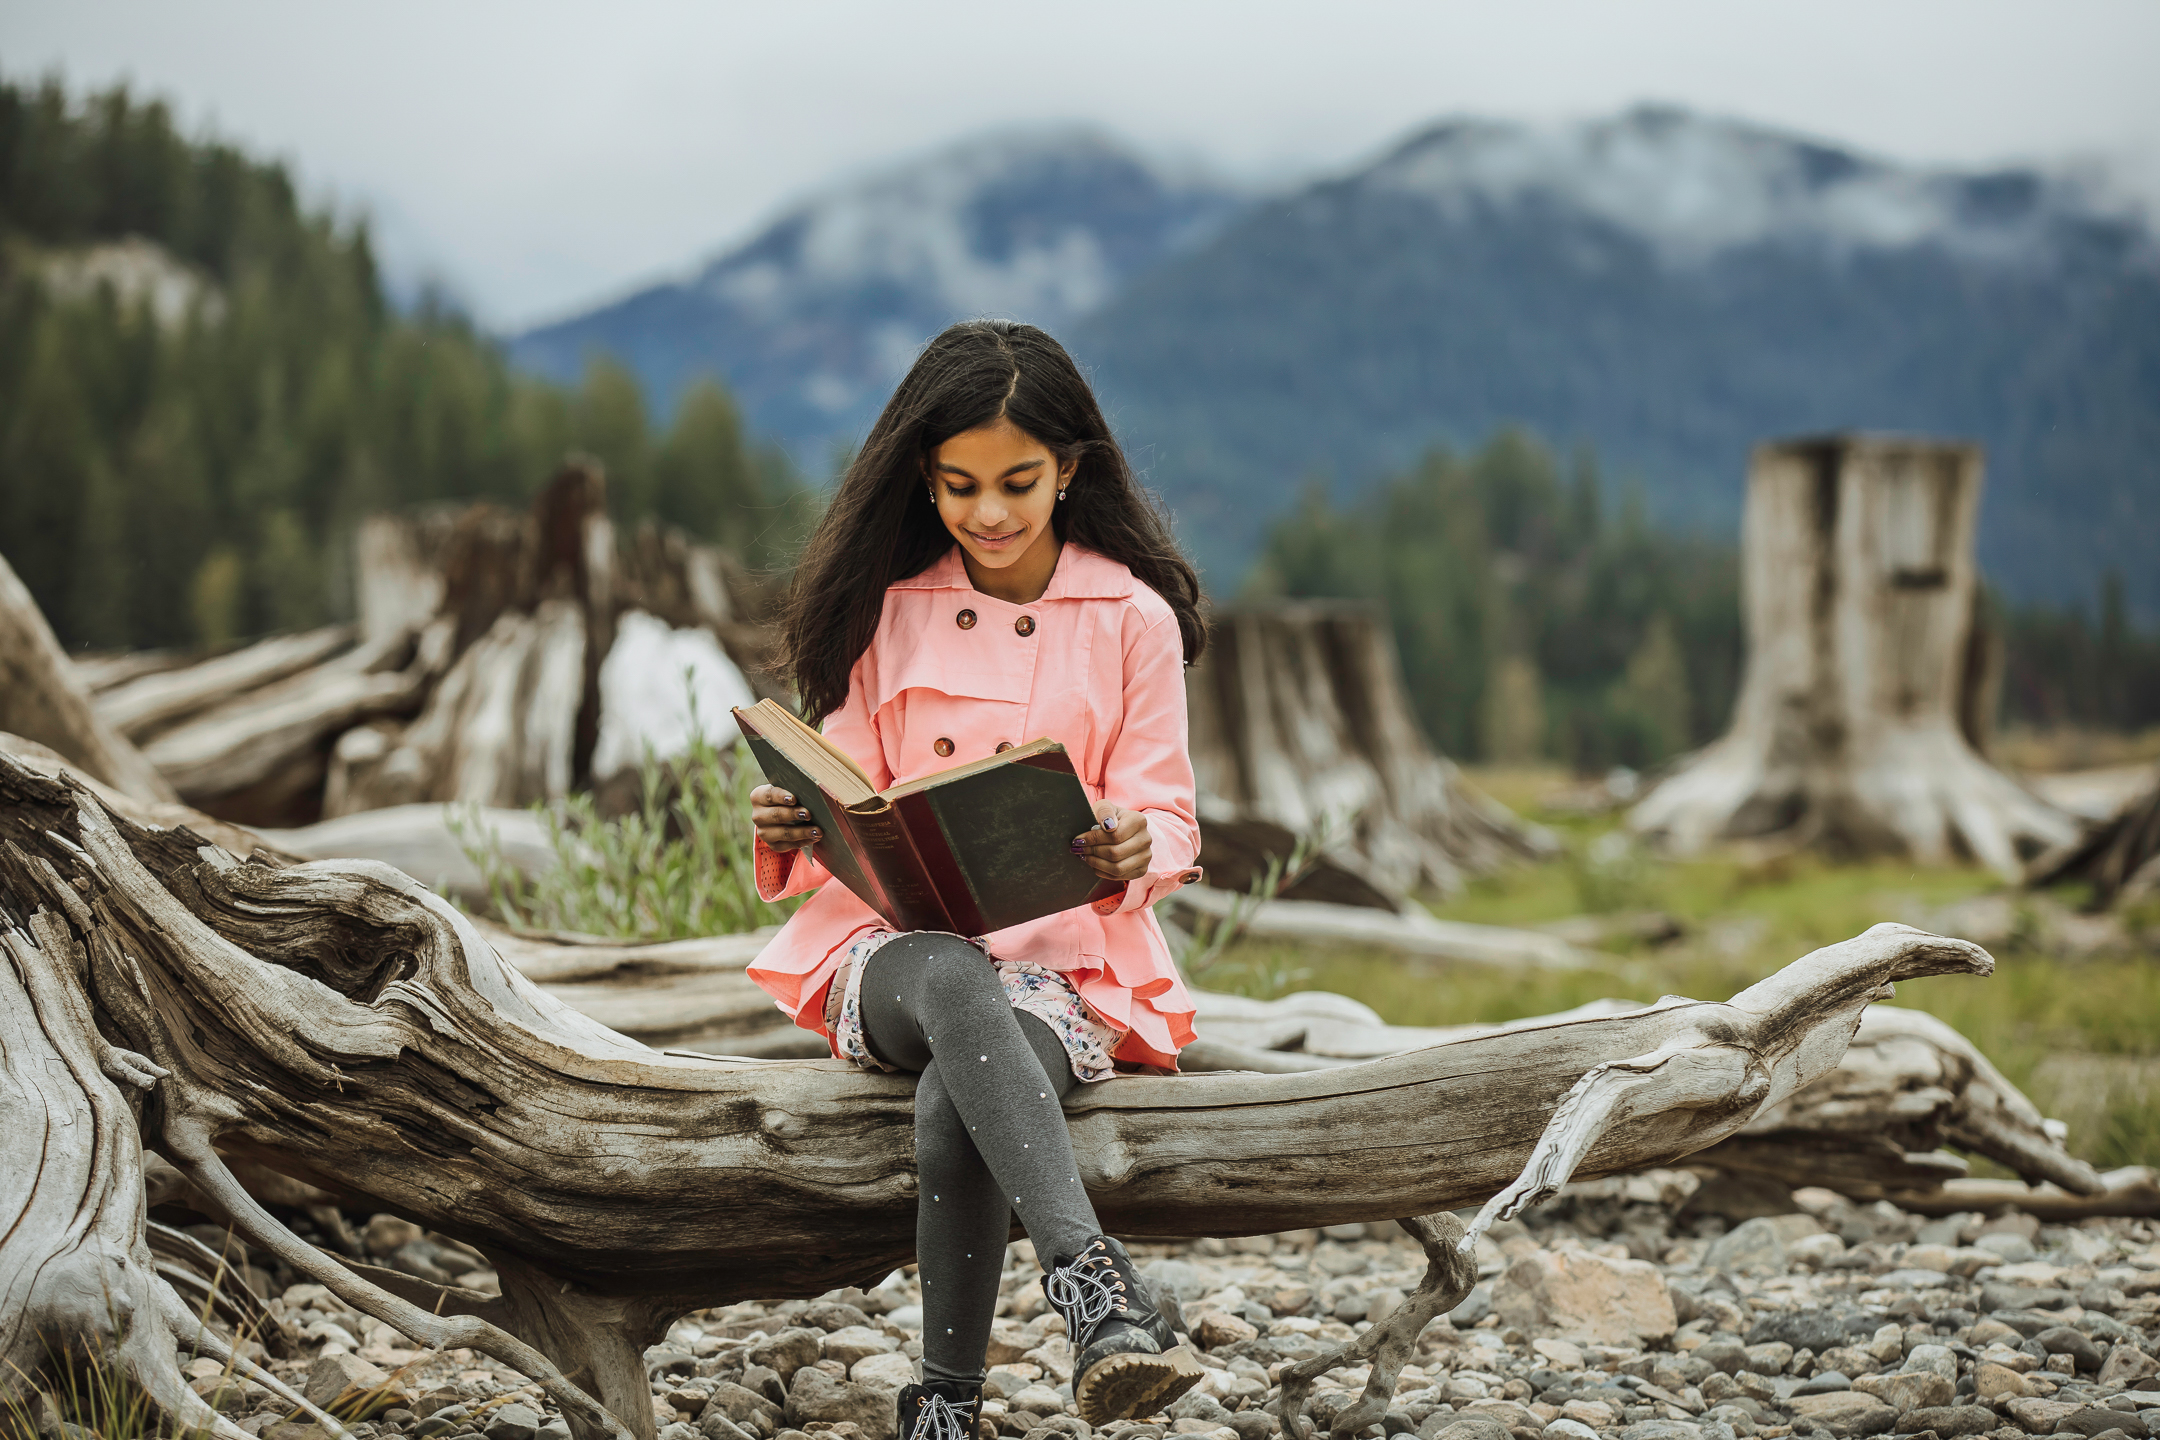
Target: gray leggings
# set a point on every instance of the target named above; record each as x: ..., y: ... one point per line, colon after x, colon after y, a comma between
x: 990, y: 1134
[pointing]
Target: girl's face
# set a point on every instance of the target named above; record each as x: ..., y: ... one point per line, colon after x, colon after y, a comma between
x: 996, y: 489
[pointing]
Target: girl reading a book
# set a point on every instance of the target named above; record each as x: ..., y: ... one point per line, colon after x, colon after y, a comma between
x: 989, y: 573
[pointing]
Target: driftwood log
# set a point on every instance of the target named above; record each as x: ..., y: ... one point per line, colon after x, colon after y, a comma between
x: 143, y: 705
x: 1411, y: 931
x: 349, y: 1028
x: 1299, y: 719
x: 1874, y: 1127
x: 43, y: 700
x: 261, y: 757
x: 1850, y: 733
x: 2120, y: 857
x: 1870, y: 1128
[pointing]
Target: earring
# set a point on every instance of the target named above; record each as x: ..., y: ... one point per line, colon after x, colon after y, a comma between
x: 1061, y: 494
x: 933, y: 496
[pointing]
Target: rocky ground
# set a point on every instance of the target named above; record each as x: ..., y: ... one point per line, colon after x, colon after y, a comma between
x: 1620, y: 1309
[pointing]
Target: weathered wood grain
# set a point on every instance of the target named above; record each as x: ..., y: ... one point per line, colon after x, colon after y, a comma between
x: 346, y: 1026
x: 140, y: 707
x: 43, y: 700
x: 1298, y: 715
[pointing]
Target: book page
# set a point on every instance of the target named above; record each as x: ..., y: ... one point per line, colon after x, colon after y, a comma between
x: 825, y: 762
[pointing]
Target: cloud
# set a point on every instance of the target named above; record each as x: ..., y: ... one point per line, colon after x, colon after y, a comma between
x: 537, y: 155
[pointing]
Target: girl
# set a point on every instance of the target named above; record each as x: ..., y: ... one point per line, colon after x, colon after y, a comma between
x: 987, y: 574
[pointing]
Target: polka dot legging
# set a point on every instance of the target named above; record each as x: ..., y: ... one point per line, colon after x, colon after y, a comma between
x: 990, y: 1136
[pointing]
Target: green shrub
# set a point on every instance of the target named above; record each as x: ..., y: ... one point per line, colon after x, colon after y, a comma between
x: 678, y: 866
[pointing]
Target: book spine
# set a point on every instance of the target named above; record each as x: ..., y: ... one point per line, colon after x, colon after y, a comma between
x: 919, y: 817
x: 888, y: 852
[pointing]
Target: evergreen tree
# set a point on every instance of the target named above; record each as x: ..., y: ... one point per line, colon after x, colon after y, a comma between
x: 1521, y: 613
x: 1653, y: 694
x: 196, y: 479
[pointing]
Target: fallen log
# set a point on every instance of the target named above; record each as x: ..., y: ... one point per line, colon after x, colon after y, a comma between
x: 1411, y: 932
x: 260, y: 757
x: 426, y: 842
x: 343, y: 1024
x: 151, y: 814
x: 141, y: 707
x: 1869, y: 1129
x: 100, y: 670
x: 2120, y: 857
x: 1908, y: 1085
x: 2131, y: 1190
x: 42, y: 700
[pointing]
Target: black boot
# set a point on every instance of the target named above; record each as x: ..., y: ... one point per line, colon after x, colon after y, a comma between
x: 1126, y: 1361
x: 940, y: 1410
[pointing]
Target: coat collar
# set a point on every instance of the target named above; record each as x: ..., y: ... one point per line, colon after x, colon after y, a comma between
x: 1081, y: 575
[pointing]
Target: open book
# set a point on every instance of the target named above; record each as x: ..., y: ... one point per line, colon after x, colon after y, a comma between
x: 973, y: 849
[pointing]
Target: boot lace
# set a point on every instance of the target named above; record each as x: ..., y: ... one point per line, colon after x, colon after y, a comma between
x: 1085, y: 1289
x: 937, y: 1418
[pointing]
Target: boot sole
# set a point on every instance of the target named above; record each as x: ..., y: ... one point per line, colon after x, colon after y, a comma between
x: 1132, y: 1385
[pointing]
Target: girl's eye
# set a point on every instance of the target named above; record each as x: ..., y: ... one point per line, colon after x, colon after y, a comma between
x: 1017, y: 489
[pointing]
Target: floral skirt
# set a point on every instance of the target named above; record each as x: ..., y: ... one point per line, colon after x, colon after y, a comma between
x: 1041, y: 992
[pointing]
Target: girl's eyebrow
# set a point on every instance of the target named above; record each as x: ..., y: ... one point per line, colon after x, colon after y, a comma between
x: 949, y: 469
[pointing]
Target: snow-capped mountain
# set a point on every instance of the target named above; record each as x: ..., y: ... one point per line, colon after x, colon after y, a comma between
x: 1667, y: 287
x: 812, y: 319
x: 1670, y: 289
x: 1694, y: 187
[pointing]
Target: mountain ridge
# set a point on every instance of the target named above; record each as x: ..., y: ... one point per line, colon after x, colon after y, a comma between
x: 813, y: 316
x: 1667, y: 287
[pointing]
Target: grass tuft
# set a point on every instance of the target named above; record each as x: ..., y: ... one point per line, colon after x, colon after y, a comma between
x: 677, y: 867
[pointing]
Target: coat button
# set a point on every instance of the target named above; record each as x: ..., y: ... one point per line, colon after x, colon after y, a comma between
x: 965, y: 619
x: 943, y: 746
x: 1003, y: 746
x: 1025, y: 624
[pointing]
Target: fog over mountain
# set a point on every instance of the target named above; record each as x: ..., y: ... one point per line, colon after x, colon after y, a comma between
x: 813, y: 318
x: 1665, y: 287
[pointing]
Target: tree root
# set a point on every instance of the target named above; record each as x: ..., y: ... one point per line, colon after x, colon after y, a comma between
x: 1450, y: 1271
x: 192, y: 1152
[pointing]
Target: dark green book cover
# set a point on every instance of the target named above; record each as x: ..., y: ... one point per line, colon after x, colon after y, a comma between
x: 972, y: 850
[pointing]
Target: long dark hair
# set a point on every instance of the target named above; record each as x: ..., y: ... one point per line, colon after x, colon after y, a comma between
x: 878, y: 530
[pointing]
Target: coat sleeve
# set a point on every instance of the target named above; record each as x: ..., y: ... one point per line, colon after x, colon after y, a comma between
x: 854, y: 730
x: 1149, y: 768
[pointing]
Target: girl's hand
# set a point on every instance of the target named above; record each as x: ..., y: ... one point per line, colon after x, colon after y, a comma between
x: 780, y: 822
x: 1119, y: 847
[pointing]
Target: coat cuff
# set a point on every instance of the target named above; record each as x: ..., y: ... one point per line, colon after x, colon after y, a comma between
x: 780, y: 875
x: 1151, y: 887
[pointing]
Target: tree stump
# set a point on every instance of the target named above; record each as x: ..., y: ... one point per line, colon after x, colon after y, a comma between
x: 1298, y: 717
x: 1857, y: 561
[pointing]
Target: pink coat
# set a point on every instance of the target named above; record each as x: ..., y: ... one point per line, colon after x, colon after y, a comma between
x: 1096, y: 664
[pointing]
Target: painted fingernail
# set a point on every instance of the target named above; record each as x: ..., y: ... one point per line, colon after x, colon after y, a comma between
x: 816, y: 834
x: 1109, y: 824
x: 787, y: 799
x: 1077, y: 847
x: 802, y: 814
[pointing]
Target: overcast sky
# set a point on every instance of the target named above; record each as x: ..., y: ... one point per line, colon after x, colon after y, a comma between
x: 538, y: 156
